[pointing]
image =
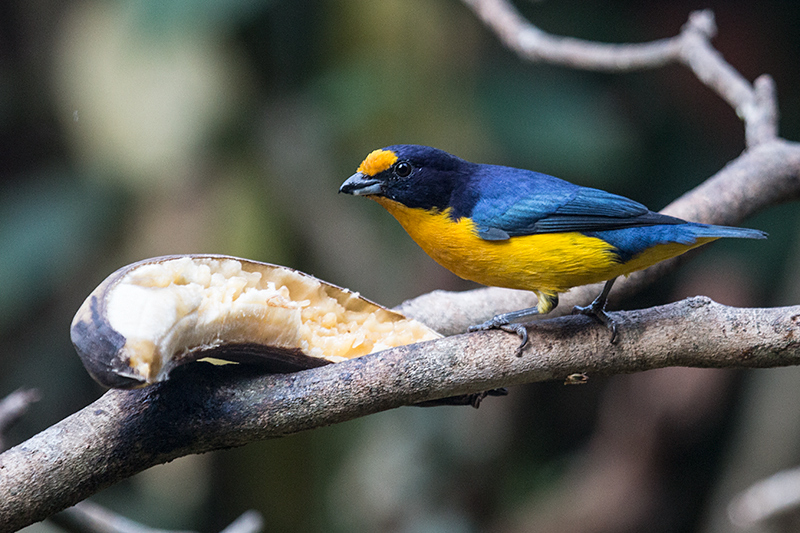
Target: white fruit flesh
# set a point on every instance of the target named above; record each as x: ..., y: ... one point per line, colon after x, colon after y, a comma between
x: 187, y: 304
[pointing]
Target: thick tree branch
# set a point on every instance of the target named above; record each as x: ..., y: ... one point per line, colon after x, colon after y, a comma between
x: 207, y: 408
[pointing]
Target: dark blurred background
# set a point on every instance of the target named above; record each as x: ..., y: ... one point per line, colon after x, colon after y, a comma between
x: 150, y: 127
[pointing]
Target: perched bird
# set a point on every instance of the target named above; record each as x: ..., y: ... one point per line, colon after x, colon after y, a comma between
x: 520, y: 229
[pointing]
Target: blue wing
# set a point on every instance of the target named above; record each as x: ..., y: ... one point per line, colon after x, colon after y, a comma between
x: 515, y: 202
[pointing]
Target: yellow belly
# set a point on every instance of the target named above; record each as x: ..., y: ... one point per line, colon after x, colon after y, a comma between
x: 548, y: 263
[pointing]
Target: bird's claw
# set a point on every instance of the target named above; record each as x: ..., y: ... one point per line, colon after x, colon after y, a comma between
x: 520, y: 330
x: 598, y: 313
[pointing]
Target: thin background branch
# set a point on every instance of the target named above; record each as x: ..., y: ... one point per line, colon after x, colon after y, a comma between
x: 125, y: 432
x: 89, y: 517
x: 13, y: 407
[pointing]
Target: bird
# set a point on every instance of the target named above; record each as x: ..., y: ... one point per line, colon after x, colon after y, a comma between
x: 509, y: 227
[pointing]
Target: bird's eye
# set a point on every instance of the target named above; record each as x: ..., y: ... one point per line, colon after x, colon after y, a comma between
x: 403, y: 169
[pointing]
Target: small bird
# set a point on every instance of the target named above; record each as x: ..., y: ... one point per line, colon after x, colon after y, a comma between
x: 515, y: 228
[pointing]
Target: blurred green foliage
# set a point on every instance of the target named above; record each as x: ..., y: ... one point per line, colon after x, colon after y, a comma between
x: 150, y: 127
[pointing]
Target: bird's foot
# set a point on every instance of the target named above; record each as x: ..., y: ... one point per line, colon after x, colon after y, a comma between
x: 596, y: 310
x: 501, y: 322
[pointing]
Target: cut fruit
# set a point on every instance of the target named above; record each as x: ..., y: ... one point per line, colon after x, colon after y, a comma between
x: 152, y: 316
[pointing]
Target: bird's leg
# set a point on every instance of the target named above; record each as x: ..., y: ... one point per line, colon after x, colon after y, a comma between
x: 597, y: 310
x: 517, y: 322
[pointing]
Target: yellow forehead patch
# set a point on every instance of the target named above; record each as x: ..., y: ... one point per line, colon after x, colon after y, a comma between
x: 377, y: 161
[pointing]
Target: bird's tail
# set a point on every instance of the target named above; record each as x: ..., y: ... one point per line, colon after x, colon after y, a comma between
x: 707, y: 230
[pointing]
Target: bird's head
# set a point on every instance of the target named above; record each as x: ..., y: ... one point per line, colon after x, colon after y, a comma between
x: 415, y: 176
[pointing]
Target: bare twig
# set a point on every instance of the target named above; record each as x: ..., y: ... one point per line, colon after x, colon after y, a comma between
x: 774, y: 501
x: 13, y: 407
x: 534, y: 44
x: 248, y: 522
x: 89, y: 517
x: 756, y: 106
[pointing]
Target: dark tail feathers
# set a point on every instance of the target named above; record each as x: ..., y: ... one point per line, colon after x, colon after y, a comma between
x: 707, y: 230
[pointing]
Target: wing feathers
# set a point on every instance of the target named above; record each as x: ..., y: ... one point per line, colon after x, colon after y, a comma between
x: 547, y: 209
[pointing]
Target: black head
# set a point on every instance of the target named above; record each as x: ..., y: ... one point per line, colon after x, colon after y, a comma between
x: 415, y: 176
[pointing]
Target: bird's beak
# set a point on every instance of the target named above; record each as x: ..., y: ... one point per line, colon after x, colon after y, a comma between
x: 359, y: 184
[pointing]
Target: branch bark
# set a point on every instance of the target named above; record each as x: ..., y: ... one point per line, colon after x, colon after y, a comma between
x: 208, y: 408
x: 204, y: 408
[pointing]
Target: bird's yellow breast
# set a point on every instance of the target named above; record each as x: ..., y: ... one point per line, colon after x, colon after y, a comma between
x: 548, y: 262
x: 552, y: 262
